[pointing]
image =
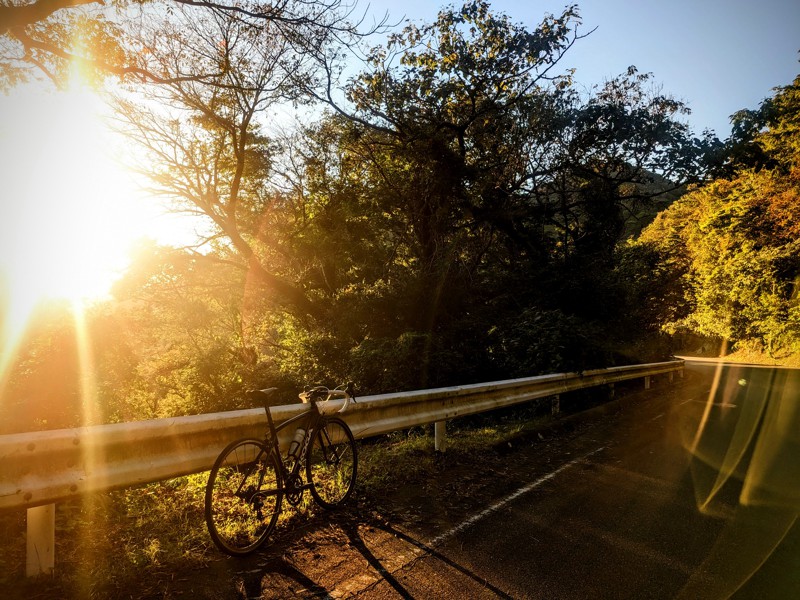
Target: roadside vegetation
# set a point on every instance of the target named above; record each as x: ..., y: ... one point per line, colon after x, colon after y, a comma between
x: 731, y: 247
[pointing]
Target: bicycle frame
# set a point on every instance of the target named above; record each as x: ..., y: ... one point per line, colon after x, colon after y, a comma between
x: 312, y: 418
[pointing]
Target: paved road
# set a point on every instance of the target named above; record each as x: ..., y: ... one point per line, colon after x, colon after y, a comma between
x: 643, y: 503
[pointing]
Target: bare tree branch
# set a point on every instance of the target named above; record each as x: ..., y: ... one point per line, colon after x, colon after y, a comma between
x: 53, y: 48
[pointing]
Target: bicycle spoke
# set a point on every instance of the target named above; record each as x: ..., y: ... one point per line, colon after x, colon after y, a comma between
x: 243, y: 497
x: 332, y: 463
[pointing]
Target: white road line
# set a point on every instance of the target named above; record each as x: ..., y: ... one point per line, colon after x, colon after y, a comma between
x: 508, y: 499
x: 719, y: 404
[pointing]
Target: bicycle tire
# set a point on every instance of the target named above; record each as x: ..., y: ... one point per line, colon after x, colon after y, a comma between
x: 332, y: 463
x: 243, y: 497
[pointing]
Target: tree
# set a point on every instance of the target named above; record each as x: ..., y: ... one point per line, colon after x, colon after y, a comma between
x: 401, y: 237
x: 41, y: 384
x: 765, y: 137
x: 508, y: 188
x: 203, y: 136
x: 734, y: 243
x: 196, y: 338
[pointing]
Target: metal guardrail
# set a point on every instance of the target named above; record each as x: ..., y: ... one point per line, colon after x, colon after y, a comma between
x: 49, y: 466
x: 40, y: 468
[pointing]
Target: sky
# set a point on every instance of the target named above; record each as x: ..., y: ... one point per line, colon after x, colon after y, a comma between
x: 717, y: 56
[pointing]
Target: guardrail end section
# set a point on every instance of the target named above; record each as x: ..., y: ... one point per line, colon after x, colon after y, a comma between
x: 41, y: 539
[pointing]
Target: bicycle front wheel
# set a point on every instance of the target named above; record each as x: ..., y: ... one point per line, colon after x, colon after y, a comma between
x: 243, y: 497
x: 332, y: 463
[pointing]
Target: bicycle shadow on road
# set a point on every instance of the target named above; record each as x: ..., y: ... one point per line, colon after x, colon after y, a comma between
x: 281, y: 579
x: 422, y: 551
x: 370, y: 557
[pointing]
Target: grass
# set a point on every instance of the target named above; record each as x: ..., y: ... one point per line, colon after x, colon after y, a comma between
x: 106, y: 542
x: 412, y: 456
x: 756, y: 357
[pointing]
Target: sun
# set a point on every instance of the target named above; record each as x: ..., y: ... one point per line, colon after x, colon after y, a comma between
x: 69, y: 211
x: 65, y: 221
x: 70, y: 216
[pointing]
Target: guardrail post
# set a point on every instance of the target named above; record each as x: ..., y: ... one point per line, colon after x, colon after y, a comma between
x: 555, y: 405
x: 647, y: 382
x: 671, y: 376
x: 439, y: 430
x: 41, y: 539
x: 611, y: 392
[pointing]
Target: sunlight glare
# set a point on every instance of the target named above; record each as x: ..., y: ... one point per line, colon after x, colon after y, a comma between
x: 70, y: 213
x: 65, y: 213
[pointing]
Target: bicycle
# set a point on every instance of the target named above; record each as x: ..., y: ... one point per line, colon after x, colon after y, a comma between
x: 250, y: 478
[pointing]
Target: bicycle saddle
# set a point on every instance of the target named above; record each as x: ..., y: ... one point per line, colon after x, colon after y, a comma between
x: 262, y: 396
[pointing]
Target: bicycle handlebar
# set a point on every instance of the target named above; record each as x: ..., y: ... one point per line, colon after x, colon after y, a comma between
x: 320, y: 392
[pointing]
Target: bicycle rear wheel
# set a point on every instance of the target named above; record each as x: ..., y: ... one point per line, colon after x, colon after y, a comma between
x: 243, y: 497
x: 332, y: 463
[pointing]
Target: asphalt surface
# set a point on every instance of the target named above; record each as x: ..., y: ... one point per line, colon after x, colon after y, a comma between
x: 633, y: 504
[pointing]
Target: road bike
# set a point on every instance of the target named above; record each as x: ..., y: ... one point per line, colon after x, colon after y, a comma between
x: 251, y: 478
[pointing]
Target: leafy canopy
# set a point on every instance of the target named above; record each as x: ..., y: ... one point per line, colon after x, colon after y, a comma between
x: 734, y: 244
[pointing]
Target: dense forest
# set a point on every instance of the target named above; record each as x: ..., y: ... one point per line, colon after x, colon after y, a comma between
x: 455, y: 211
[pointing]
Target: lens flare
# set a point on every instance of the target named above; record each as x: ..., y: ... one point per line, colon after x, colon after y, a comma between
x: 745, y: 442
